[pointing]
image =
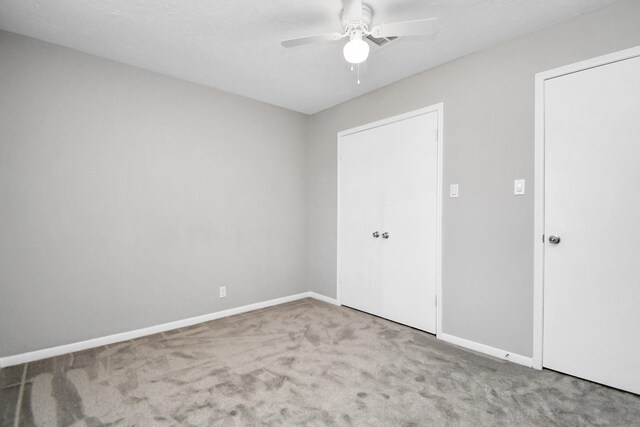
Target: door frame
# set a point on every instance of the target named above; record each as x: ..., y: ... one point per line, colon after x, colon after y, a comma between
x: 438, y: 108
x: 539, y: 217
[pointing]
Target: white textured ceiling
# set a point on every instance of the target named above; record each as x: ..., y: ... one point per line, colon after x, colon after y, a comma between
x: 234, y: 45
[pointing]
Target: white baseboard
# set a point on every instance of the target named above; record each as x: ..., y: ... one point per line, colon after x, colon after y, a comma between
x: 124, y: 336
x: 320, y: 297
x: 491, y: 351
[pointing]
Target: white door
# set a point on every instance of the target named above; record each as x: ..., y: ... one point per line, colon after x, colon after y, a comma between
x: 592, y: 203
x: 389, y: 185
x: 360, y: 204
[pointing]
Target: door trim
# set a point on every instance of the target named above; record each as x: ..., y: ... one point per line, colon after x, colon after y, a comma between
x: 439, y: 108
x: 538, y: 250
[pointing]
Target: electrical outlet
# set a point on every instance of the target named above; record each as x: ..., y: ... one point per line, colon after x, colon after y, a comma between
x: 223, y: 291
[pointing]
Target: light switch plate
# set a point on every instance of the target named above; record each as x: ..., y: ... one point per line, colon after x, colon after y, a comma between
x: 453, y: 190
x: 518, y: 187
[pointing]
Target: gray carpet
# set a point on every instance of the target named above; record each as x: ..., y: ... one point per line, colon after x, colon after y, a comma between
x: 302, y: 363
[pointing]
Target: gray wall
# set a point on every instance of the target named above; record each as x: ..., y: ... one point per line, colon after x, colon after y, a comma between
x: 489, y: 141
x: 127, y: 198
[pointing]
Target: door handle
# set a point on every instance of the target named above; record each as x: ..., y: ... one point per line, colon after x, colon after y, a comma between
x: 554, y: 240
x: 376, y: 234
x: 385, y: 235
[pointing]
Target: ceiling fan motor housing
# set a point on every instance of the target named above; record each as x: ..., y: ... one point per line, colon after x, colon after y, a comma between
x: 365, y: 21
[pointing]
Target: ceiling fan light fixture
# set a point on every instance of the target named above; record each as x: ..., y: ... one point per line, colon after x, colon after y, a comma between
x: 357, y: 21
x: 356, y: 51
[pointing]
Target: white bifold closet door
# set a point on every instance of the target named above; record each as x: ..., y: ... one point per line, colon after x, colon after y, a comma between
x: 592, y: 204
x: 388, y: 189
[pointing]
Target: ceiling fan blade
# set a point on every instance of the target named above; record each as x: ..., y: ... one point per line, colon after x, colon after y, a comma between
x: 312, y: 39
x: 352, y: 9
x: 418, y: 27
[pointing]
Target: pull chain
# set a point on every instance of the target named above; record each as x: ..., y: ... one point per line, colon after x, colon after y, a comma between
x: 358, y: 72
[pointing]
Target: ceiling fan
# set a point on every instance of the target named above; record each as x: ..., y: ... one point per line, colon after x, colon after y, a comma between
x: 356, y: 20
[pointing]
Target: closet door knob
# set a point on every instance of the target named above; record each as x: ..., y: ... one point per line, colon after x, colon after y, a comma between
x: 376, y: 234
x: 385, y: 235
